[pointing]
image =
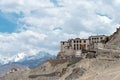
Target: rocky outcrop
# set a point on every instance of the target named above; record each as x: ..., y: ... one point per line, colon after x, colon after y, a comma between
x: 54, y: 62
x: 114, y: 42
x: 76, y: 73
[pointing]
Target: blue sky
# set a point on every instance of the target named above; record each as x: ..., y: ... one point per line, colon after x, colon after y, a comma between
x: 6, y: 25
x: 9, y: 22
x: 30, y: 26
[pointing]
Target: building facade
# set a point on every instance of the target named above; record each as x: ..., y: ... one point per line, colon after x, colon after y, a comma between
x: 79, y: 44
x: 73, y: 46
x: 96, y: 41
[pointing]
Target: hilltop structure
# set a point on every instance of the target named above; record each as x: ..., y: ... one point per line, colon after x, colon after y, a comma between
x: 96, y: 42
x: 77, y: 46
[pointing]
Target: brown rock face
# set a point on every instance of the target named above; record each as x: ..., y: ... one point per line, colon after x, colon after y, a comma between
x: 114, y: 42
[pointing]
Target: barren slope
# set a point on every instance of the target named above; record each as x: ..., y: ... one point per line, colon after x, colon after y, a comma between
x: 86, y: 69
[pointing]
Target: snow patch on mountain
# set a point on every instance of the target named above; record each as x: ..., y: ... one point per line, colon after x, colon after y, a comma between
x: 19, y: 57
x: 15, y: 58
x: 22, y: 57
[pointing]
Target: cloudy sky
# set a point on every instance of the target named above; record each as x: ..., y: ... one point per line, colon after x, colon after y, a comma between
x: 30, y: 26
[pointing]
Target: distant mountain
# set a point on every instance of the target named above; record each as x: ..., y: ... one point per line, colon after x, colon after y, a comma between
x: 32, y: 61
x: 36, y: 60
x: 41, y: 54
x: 21, y: 61
x: 15, y: 58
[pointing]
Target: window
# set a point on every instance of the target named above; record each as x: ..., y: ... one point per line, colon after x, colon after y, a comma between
x: 74, y: 41
x: 74, y: 47
x: 80, y: 41
x: 63, y: 43
x: 77, y: 46
x: 77, y: 41
x: 84, y: 41
x: 80, y: 46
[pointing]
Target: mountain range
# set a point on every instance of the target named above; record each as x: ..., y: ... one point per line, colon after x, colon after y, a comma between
x: 21, y: 57
x: 21, y: 61
x: 35, y: 60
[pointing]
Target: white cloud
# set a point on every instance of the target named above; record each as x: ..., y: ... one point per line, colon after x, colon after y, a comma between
x: 117, y: 2
x: 75, y: 18
x: 20, y: 42
x: 24, y: 5
x: 104, y: 19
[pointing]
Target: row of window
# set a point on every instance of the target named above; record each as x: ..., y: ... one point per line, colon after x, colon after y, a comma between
x: 95, y: 41
x: 79, y: 47
x: 97, y: 38
x: 80, y: 41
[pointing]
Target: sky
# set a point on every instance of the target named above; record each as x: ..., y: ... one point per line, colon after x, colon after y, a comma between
x: 30, y: 26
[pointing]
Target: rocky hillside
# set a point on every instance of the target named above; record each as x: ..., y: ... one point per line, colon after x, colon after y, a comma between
x: 84, y: 69
x: 114, y: 42
x: 5, y: 69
